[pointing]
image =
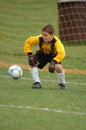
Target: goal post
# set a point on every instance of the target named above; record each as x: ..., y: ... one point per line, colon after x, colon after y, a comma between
x: 72, y: 20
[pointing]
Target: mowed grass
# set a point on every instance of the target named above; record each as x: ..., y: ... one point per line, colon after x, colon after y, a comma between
x: 24, y: 108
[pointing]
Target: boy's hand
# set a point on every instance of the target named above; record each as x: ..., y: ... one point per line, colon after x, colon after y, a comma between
x: 51, y: 67
x: 32, y: 60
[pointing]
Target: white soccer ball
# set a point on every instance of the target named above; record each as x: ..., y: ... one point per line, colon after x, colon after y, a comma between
x: 15, y: 71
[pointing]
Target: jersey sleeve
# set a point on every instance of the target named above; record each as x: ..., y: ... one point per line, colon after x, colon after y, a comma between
x: 33, y: 40
x: 60, y: 51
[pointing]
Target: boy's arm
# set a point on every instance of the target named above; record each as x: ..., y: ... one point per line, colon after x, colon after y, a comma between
x: 60, y: 52
x: 34, y: 40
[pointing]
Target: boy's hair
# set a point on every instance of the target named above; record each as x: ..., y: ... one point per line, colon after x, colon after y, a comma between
x: 49, y: 29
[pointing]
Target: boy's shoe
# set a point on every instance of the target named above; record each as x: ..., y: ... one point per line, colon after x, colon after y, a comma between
x: 62, y: 86
x: 36, y: 85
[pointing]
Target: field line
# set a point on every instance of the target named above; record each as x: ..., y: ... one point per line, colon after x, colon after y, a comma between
x: 41, y: 109
x: 46, y: 80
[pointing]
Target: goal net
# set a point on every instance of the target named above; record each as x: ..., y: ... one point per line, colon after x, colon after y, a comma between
x: 72, y: 30
x: 72, y: 20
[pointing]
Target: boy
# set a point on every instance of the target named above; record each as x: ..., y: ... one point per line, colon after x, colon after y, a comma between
x: 51, y: 50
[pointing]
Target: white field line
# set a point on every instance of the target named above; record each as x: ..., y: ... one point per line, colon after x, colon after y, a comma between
x: 41, y: 109
x: 46, y: 80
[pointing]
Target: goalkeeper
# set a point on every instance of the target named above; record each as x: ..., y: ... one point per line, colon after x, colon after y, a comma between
x: 51, y: 51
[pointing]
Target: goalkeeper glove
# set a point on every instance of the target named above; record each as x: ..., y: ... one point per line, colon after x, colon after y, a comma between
x: 51, y: 67
x: 32, y: 59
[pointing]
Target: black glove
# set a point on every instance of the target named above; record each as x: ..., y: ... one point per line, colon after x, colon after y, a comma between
x: 51, y: 67
x: 32, y: 60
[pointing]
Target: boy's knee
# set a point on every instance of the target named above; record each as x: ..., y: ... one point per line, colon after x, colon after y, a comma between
x: 58, y: 68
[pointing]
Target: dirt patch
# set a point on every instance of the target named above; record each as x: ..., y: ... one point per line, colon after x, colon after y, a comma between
x: 26, y: 67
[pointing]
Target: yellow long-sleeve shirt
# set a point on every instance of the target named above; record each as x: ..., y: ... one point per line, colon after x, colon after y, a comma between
x: 58, y: 47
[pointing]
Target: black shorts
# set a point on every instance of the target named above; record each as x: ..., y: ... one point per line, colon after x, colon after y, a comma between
x: 43, y: 59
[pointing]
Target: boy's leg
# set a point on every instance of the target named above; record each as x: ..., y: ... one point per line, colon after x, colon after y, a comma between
x: 61, y: 76
x: 42, y: 60
x: 35, y: 76
x: 61, y: 80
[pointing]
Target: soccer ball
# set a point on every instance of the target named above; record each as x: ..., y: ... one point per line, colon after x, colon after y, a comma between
x: 15, y: 71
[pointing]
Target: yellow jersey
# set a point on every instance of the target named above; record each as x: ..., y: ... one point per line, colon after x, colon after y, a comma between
x: 55, y: 46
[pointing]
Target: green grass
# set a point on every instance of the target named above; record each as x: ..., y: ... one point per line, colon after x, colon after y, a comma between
x: 19, y: 93
x: 18, y: 20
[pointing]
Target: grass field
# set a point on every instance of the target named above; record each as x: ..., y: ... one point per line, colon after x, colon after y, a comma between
x: 21, y: 107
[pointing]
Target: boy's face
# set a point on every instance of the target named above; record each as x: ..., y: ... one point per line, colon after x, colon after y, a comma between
x: 47, y: 37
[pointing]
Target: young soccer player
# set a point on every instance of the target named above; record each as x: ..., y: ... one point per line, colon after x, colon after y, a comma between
x: 51, y: 51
